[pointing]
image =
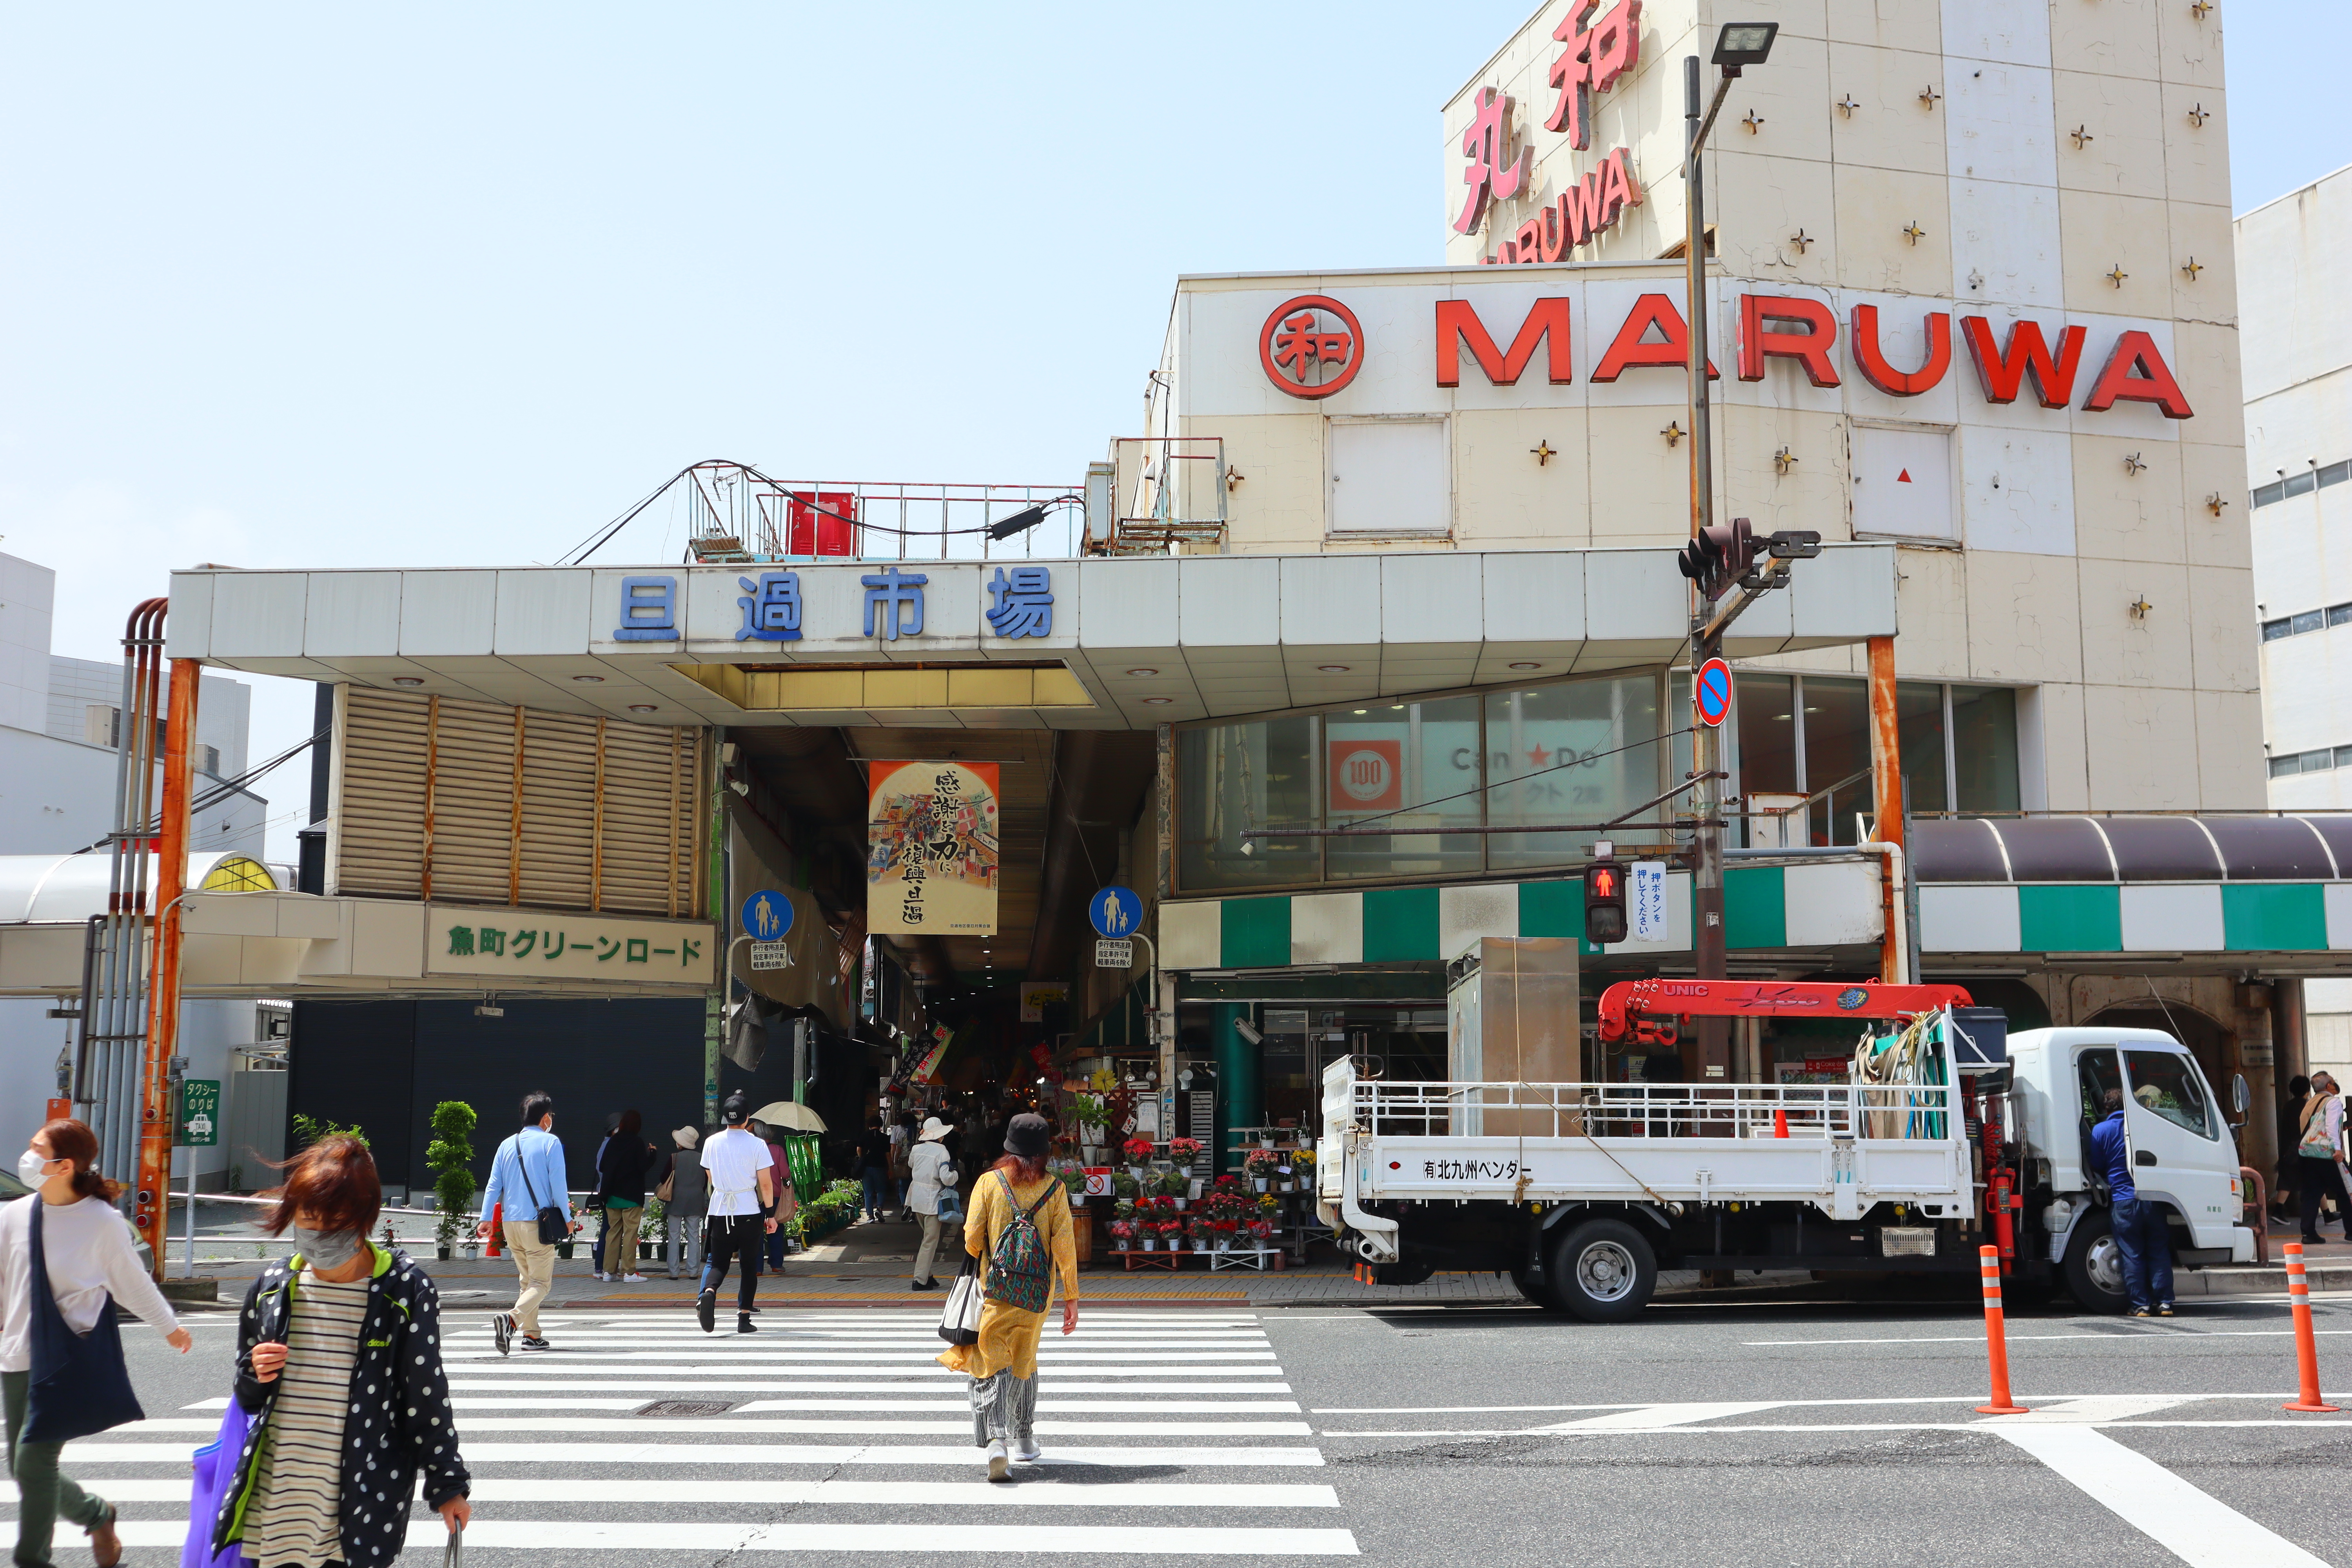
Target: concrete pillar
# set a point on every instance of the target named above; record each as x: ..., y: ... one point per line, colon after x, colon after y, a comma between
x: 1241, y: 1100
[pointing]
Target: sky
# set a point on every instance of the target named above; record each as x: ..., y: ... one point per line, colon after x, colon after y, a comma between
x: 305, y: 286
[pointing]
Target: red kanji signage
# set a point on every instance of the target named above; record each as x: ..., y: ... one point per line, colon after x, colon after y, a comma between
x: 1590, y: 62
x: 1311, y: 346
x: 1492, y: 173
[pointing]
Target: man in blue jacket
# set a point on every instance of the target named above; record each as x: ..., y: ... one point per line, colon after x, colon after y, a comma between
x: 2142, y: 1235
x: 526, y: 1177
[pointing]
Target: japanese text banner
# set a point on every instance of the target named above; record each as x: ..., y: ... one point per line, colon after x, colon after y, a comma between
x: 537, y: 945
x: 932, y: 854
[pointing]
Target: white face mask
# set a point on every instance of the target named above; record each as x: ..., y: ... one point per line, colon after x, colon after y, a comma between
x: 29, y: 1167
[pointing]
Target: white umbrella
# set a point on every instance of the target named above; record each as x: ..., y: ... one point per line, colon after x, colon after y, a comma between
x: 790, y: 1113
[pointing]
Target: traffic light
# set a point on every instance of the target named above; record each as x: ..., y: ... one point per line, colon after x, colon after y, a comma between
x: 1604, y: 903
x: 1718, y: 557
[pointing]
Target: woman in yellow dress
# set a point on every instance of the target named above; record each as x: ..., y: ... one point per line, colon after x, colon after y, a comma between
x: 1002, y: 1365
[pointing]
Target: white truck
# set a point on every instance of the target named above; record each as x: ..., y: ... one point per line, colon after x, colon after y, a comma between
x: 1582, y: 1192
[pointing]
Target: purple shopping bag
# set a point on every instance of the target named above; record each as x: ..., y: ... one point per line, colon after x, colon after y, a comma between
x: 215, y: 1473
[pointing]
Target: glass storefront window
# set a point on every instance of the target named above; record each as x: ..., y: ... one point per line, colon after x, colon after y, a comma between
x: 1403, y: 764
x: 1261, y: 773
x: 1533, y: 735
x: 1767, y: 734
x: 1837, y: 747
x: 1984, y: 747
x: 1919, y: 722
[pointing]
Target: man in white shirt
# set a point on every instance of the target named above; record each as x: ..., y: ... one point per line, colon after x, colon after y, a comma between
x: 742, y: 1189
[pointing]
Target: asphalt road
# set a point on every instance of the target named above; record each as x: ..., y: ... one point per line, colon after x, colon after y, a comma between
x: 1776, y: 1430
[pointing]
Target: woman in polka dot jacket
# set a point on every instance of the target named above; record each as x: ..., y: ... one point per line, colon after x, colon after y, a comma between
x: 329, y: 1467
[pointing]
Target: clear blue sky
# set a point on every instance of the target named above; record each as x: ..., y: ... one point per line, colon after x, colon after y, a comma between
x: 314, y: 286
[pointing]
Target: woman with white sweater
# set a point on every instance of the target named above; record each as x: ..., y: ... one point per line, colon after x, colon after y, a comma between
x: 89, y: 1261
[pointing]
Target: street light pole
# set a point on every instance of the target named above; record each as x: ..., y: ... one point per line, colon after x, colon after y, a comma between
x: 1735, y: 46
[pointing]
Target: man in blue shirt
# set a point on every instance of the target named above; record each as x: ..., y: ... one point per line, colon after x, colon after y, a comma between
x: 526, y: 1177
x: 2142, y: 1235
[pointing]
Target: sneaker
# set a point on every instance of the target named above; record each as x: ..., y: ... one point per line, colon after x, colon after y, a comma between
x: 1000, y: 1463
x: 2140, y: 1313
x: 633, y: 1279
x: 1025, y: 1449
x: 2164, y: 1311
x: 924, y: 1285
x: 531, y: 1343
x: 503, y: 1328
x: 706, y: 1311
x: 744, y: 1325
x: 600, y: 1274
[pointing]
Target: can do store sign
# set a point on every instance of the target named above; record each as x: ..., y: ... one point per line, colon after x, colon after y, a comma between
x: 1312, y: 347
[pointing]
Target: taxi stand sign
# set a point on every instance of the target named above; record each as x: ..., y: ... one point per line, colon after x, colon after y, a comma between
x: 199, y: 1113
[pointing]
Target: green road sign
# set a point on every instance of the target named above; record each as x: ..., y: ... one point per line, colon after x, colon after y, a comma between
x: 199, y: 1113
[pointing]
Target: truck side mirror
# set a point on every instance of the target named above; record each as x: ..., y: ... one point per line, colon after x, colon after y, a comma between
x: 2239, y: 1095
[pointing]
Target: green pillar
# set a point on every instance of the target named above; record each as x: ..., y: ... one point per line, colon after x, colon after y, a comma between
x: 1241, y: 1085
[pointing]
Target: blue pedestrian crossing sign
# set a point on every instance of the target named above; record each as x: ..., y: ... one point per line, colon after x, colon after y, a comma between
x: 1116, y: 912
x: 767, y: 917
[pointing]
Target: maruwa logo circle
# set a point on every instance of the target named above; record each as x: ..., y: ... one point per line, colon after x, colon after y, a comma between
x: 1311, y: 346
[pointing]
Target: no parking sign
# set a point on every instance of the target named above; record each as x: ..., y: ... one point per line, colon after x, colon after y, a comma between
x: 1711, y: 692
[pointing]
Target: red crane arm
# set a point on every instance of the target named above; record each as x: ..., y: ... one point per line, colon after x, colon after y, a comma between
x: 1628, y: 1001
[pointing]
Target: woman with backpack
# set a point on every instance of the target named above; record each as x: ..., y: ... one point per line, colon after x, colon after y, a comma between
x: 1020, y: 1229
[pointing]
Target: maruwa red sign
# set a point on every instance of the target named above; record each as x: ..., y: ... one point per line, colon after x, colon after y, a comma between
x: 1312, y: 346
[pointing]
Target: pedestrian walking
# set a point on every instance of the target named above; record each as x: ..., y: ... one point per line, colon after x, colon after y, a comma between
x: 930, y: 1172
x: 527, y: 1190
x: 621, y: 1183
x: 339, y: 1364
x: 873, y: 1169
x: 2143, y: 1238
x: 684, y: 1200
x: 65, y: 1259
x: 2290, y: 1133
x: 1020, y: 1229
x: 902, y: 1146
x: 2319, y: 1156
x: 742, y: 1187
x: 786, y: 1203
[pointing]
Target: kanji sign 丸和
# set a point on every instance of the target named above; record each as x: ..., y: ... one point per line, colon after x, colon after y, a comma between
x: 1307, y: 338
x: 521, y: 944
x: 1492, y: 173
x: 1590, y: 61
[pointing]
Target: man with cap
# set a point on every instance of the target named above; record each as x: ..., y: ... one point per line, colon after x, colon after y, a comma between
x: 930, y: 1172
x: 741, y: 1189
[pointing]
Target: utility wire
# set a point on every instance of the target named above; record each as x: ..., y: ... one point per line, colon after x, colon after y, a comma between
x: 223, y: 790
x: 1501, y: 784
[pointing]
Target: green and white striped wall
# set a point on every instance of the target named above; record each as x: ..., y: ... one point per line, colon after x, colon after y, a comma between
x: 1764, y: 907
x: 2135, y: 917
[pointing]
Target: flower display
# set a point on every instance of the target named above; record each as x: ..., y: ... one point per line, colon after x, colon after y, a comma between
x: 1260, y: 1163
x: 1136, y: 1150
x: 1183, y: 1151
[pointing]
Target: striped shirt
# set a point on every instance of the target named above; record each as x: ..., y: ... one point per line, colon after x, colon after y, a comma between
x: 292, y: 1521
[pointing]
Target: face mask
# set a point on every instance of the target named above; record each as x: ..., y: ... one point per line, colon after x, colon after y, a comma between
x: 328, y: 1249
x: 29, y: 1167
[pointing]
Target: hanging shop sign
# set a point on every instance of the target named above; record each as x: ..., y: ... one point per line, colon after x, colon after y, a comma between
x: 931, y: 860
x: 2008, y: 362
x: 1037, y: 996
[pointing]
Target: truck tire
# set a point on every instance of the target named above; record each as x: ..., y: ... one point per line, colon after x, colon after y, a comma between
x: 1604, y: 1270
x: 2094, y: 1264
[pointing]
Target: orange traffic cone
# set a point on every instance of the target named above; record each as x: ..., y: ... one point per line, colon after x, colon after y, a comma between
x: 1779, y: 1123
x: 496, y: 1229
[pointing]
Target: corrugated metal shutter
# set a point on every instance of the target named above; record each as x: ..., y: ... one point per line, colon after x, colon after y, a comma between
x: 473, y: 803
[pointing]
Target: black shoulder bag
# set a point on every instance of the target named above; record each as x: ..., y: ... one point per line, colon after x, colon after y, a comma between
x: 80, y: 1385
x: 554, y: 1225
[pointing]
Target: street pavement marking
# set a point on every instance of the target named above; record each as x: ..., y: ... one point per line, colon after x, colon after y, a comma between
x: 2104, y: 1409
x: 1978, y: 1339
x: 1273, y: 1385
x: 1045, y: 1402
x: 1652, y: 1417
x: 772, y: 1351
x: 1033, y: 1491
x: 730, y: 1424
x: 553, y: 1364
x: 962, y: 1455
x: 709, y: 1538
x: 2193, y: 1525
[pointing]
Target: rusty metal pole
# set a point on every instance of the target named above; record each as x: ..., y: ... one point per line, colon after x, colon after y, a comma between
x: 1886, y: 799
x: 151, y: 1202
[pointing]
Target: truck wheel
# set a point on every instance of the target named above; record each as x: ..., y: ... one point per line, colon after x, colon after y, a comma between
x: 2094, y: 1265
x: 1536, y: 1287
x: 1604, y: 1270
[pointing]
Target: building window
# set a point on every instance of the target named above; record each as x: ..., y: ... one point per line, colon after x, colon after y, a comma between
x: 2309, y: 621
x: 1809, y: 735
x: 2306, y: 621
x: 1578, y: 751
x: 2304, y: 483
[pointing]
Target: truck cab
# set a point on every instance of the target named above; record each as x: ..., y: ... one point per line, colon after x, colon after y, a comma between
x: 2182, y: 1156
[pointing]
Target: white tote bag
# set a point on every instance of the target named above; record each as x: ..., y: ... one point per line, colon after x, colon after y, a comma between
x: 960, y: 1317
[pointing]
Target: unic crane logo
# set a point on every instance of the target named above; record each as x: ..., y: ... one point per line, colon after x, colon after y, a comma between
x: 1311, y: 346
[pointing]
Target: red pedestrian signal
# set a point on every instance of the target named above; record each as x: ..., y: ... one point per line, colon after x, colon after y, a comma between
x: 1604, y: 903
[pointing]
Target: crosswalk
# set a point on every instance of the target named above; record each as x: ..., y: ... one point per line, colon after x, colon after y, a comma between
x: 1165, y: 1433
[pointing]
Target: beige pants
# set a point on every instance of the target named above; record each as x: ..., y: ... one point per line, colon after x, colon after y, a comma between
x: 930, y: 1250
x: 621, y: 1240
x: 534, y: 1267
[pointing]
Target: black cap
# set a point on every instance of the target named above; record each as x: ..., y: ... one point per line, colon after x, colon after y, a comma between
x: 1028, y: 1136
x: 735, y: 1109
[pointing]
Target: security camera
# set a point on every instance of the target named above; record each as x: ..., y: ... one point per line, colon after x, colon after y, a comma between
x: 1242, y: 1027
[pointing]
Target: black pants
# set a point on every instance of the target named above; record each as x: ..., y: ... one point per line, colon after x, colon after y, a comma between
x: 737, y: 1238
x: 2315, y: 1180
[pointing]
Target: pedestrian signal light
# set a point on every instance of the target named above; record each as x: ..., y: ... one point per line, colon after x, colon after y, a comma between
x: 1604, y: 903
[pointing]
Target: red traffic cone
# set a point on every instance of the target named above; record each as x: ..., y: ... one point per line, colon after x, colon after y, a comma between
x: 1779, y: 1123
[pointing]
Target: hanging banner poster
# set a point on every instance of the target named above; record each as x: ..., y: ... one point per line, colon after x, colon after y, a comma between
x: 931, y: 847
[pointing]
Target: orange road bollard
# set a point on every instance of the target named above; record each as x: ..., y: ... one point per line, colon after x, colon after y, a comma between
x: 1996, y: 1337
x: 2306, y: 1353
x: 492, y: 1250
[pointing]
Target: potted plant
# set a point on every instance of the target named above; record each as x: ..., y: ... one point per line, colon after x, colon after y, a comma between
x: 1122, y: 1231
x: 1175, y: 1186
x: 1183, y: 1152
x: 1138, y: 1152
x: 1124, y: 1184
x: 450, y: 1155
x: 1260, y: 1164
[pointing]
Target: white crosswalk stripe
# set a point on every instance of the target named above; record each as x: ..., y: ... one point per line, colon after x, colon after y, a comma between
x: 1164, y: 1432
